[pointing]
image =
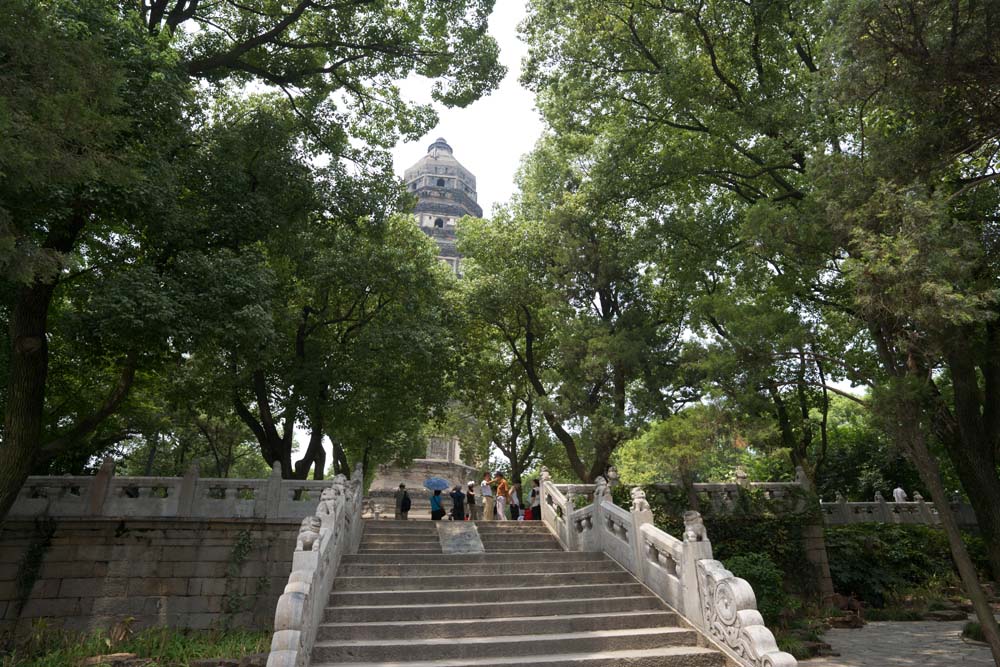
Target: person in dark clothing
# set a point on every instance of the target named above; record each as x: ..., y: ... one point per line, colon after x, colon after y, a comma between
x: 458, y: 504
x: 536, y: 501
x: 437, y: 511
x: 405, y: 504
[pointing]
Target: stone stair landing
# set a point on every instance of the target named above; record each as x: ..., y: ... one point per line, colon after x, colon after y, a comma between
x: 400, y: 603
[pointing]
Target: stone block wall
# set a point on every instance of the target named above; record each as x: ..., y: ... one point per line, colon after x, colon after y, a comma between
x: 89, y: 573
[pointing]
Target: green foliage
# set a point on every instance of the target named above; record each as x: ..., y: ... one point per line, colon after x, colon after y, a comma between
x: 877, y: 562
x: 974, y: 631
x: 767, y: 581
x: 861, y: 459
x: 45, y: 646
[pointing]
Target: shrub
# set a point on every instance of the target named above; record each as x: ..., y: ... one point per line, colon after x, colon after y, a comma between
x: 875, y: 562
x: 766, y: 579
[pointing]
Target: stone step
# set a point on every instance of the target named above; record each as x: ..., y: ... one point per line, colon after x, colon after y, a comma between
x: 512, y: 536
x: 486, y: 567
x: 497, y: 595
x: 398, y: 537
x: 523, y: 543
x: 527, y: 526
x: 507, y: 646
x: 526, y: 558
x: 483, y: 627
x: 503, y: 549
x: 672, y: 656
x: 400, y: 546
x: 398, y: 553
x: 485, y: 610
x: 449, y: 576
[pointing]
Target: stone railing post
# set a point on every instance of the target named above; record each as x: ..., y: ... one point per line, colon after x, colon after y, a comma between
x: 99, y: 488
x: 186, y: 495
x: 641, y: 515
x: 926, y: 516
x: 696, y: 547
x: 883, y: 508
x: 272, y: 498
x: 572, y: 539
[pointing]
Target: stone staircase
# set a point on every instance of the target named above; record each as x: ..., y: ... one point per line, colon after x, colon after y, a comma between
x: 401, y: 602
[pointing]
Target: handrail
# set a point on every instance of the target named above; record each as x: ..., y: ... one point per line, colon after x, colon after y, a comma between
x: 681, y: 571
x: 324, y: 538
x: 106, y: 495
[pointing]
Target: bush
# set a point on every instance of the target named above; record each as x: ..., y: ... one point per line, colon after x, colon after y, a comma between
x: 876, y: 562
x: 974, y: 631
x: 766, y: 579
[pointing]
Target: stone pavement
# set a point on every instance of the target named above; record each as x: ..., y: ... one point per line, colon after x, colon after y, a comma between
x: 892, y: 644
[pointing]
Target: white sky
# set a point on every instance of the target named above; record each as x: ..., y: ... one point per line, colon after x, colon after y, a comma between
x: 490, y: 136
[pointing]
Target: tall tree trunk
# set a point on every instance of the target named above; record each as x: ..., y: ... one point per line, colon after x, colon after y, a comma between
x: 315, y: 455
x: 341, y: 465
x: 29, y: 365
x: 979, y: 479
x: 913, y: 441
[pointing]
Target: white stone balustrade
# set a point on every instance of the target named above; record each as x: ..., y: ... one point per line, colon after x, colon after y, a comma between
x: 918, y: 511
x: 325, y: 537
x: 105, y: 495
x: 790, y: 497
x: 681, y: 571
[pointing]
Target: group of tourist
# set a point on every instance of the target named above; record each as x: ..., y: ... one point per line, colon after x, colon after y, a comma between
x: 499, y: 500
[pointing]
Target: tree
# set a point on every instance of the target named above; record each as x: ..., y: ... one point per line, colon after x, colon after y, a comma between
x: 497, y: 406
x: 357, y: 48
x: 564, y: 280
x: 80, y: 88
x: 853, y: 143
x: 361, y: 343
x: 111, y: 191
x: 678, y: 448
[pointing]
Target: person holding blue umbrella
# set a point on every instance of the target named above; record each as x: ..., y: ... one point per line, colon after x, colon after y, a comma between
x: 437, y: 512
x: 436, y: 484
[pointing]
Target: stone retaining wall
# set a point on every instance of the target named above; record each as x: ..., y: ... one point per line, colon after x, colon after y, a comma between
x: 88, y: 573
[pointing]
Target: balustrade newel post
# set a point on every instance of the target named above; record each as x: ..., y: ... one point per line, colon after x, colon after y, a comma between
x: 99, y: 488
x: 186, y: 495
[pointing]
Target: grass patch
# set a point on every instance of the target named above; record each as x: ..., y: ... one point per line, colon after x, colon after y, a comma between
x: 974, y: 631
x: 167, y: 647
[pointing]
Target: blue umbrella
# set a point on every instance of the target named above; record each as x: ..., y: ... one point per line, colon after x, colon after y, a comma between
x: 437, y: 483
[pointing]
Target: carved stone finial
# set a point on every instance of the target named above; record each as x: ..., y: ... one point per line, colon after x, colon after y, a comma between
x: 612, y: 476
x: 917, y: 498
x: 878, y: 497
x: 601, y: 490
x: 694, y: 527
x: 840, y: 497
x: 742, y: 478
x: 276, y: 470
x: 308, y: 533
x: 545, y: 476
x: 639, y: 502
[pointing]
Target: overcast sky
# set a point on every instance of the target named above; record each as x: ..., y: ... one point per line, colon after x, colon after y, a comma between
x: 490, y: 136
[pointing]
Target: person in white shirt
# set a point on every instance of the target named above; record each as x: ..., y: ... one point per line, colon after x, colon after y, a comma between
x: 515, y: 503
x: 899, y: 495
x: 486, y: 493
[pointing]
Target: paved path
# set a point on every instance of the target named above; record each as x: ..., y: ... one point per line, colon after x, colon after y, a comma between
x: 890, y: 644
